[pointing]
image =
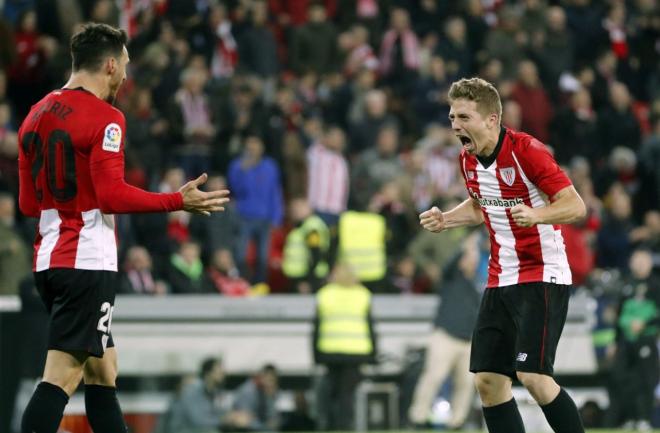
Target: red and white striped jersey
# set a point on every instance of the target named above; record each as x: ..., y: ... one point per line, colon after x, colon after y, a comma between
x: 327, y: 179
x: 71, y: 177
x: 521, y: 170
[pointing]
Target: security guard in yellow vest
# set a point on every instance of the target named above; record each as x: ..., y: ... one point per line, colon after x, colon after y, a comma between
x: 306, y: 248
x: 362, y: 245
x: 344, y: 339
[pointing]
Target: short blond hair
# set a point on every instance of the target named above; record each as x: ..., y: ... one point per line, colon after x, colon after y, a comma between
x: 480, y: 91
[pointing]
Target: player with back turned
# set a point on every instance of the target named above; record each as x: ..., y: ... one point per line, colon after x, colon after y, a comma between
x: 517, y: 189
x: 71, y: 175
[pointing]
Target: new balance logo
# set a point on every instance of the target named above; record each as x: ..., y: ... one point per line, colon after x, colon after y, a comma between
x: 522, y: 357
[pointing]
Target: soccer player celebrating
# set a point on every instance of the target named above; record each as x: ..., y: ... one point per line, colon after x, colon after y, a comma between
x: 517, y: 189
x: 71, y: 174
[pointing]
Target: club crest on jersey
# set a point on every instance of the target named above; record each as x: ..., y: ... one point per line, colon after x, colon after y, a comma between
x: 470, y: 174
x: 508, y: 175
x: 112, y: 138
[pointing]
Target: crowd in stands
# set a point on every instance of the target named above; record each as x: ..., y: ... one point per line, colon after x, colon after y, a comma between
x: 344, y: 102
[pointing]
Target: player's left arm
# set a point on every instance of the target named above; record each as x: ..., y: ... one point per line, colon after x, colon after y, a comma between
x: 565, y: 207
x: 28, y: 202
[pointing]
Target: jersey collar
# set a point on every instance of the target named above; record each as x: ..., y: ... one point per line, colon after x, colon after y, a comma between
x: 486, y: 161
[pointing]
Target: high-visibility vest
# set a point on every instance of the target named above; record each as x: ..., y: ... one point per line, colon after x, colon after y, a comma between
x: 344, y: 320
x: 297, y: 256
x: 362, y: 244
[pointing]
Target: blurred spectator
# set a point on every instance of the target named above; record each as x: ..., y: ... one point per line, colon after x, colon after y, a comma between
x: 215, y: 40
x: 137, y: 277
x: 621, y: 167
x: 649, y: 161
x: 388, y: 202
x: 477, y: 28
x: 365, y: 126
x: 584, y: 18
x: 432, y: 254
x: 294, y: 166
x: 282, y: 117
x: 635, y: 368
x: 186, y: 273
x: 448, y: 349
x: 225, y: 276
x: 7, y: 44
x: 617, y: 123
x: 27, y: 75
x: 343, y: 339
x: 532, y: 98
x: 146, y: 131
x: 198, y: 409
x: 254, y: 180
x: 507, y: 42
x: 454, y: 48
x: 399, y: 51
x: 298, y: 419
x: 553, y: 47
x: 533, y: 16
x: 372, y: 14
x: 328, y: 178
x: 376, y: 166
x: 579, y: 238
x: 220, y: 229
x: 359, y: 53
x: 306, y: 248
x: 8, y: 148
x: 605, y: 73
x: 574, y: 130
x: 257, y: 44
x: 255, y: 400
x: 242, y: 116
x: 362, y: 237
x: 512, y: 115
x: 192, y: 122
x: 14, y: 252
x: 613, y: 244
x: 648, y: 234
x: 314, y: 46
x: 430, y: 95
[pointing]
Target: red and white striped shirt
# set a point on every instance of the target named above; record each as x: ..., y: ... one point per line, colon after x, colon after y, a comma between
x: 71, y: 177
x: 327, y: 180
x: 521, y: 170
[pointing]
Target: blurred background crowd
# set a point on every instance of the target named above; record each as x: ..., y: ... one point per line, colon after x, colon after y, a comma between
x: 328, y: 122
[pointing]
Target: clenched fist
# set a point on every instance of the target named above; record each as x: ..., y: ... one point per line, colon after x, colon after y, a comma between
x: 432, y: 220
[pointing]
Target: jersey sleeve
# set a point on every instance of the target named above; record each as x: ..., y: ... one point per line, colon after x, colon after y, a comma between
x: 106, y: 163
x: 541, y: 168
x: 27, y: 191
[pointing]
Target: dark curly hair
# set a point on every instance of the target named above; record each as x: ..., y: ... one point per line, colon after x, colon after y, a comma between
x: 94, y: 43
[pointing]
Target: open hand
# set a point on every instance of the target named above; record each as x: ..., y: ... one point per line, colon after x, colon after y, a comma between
x: 200, y: 202
x: 432, y: 220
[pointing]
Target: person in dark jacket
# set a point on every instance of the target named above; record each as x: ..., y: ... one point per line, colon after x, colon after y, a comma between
x: 448, y: 350
x: 634, y: 373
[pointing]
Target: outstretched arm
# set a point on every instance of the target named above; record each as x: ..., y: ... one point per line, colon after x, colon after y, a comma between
x: 467, y: 213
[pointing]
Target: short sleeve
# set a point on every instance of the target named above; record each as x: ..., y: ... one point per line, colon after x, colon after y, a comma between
x: 108, y: 141
x: 541, y: 168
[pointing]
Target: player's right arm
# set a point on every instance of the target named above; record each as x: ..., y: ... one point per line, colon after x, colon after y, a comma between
x: 468, y: 213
